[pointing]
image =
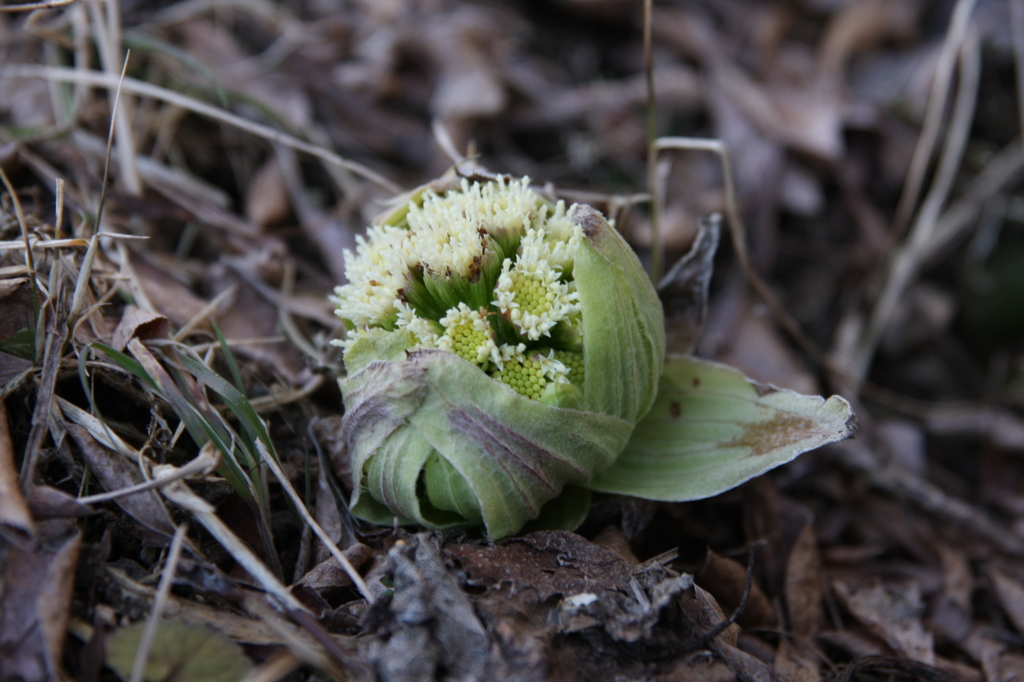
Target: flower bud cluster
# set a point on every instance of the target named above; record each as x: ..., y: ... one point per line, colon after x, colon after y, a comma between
x: 484, y: 271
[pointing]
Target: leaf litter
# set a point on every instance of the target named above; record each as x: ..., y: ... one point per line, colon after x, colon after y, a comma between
x: 197, y: 332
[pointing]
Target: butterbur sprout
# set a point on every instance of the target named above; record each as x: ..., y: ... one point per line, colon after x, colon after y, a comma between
x: 506, y: 354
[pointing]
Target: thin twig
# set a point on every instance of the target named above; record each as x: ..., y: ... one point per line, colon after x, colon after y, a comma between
x: 353, y: 574
x: 207, y: 460
x: 137, y: 87
x: 652, y: 152
x: 59, y: 218
x: 907, y: 261
x: 30, y: 264
x: 53, y: 347
x: 738, y: 232
x: 32, y: 6
x: 108, y: 42
x: 905, y: 485
x: 180, y: 494
x: 445, y: 142
x: 707, y: 637
x: 933, y: 115
x: 162, y: 592
x: 1017, y: 29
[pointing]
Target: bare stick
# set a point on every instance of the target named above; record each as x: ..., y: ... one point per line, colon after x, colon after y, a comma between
x: 162, y: 591
x: 653, y: 186
x: 108, y: 43
x: 205, y: 462
x: 933, y: 116
x: 90, y: 255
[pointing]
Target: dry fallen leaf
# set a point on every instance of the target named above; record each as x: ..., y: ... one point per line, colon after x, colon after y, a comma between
x: 952, y: 613
x: 115, y: 473
x: 180, y: 651
x: 15, y: 519
x: 1011, y: 597
x: 802, y: 586
x: 266, y: 201
x: 37, y: 586
x: 140, y: 324
x: 891, y: 613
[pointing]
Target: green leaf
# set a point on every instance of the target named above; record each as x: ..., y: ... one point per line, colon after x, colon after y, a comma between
x: 514, y: 454
x: 20, y: 344
x: 623, y: 326
x: 127, y: 363
x: 180, y: 651
x: 377, y: 344
x: 711, y: 429
x: 565, y: 512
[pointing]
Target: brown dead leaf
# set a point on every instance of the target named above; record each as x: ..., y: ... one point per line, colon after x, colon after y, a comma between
x: 756, y: 348
x: 802, y: 588
x: 140, y: 324
x: 114, y: 473
x: 15, y: 519
x: 684, y: 289
x: 699, y: 667
x: 892, y: 614
x: 987, y: 651
x: 612, y: 537
x: 16, y: 306
x: 705, y: 615
x: 168, y: 294
x: 327, y: 514
x: 37, y: 586
x: 50, y: 503
x: 808, y: 120
x: 951, y: 612
x: 10, y: 286
x: 1011, y: 597
x: 329, y: 574
x: 266, y: 200
x: 859, y: 26
x: 235, y: 69
x: 743, y: 665
x: 854, y: 642
x: 726, y: 578
x: 469, y: 84
x: 12, y: 367
x: 251, y: 314
x: 791, y: 666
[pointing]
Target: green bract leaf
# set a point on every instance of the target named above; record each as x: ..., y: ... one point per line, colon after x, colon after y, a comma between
x: 712, y: 429
x: 623, y: 326
x: 514, y: 454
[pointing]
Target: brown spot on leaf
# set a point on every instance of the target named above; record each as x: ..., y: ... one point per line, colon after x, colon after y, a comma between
x: 675, y: 409
x: 696, y: 382
x: 588, y: 219
x: 767, y: 436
